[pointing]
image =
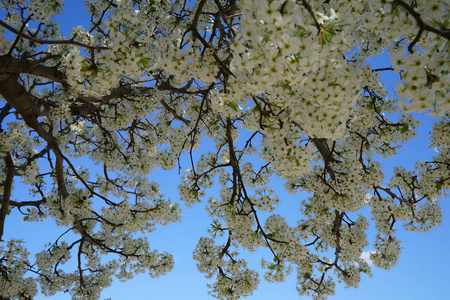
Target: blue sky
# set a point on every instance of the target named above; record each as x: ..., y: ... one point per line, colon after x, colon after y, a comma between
x: 422, y: 271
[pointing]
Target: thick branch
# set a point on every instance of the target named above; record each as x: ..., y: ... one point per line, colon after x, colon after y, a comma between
x: 10, y: 64
x: 327, y: 155
x: 16, y: 95
x: 7, y: 187
x: 4, y: 112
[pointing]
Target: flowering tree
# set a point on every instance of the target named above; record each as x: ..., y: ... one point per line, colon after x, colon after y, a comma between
x: 280, y: 88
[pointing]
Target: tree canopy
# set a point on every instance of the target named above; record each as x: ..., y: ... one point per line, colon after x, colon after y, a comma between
x: 276, y: 88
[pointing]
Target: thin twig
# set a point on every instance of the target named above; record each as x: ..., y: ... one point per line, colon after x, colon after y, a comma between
x: 311, y: 12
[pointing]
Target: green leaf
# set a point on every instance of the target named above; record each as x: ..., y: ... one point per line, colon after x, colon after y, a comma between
x: 194, y: 192
x: 255, y: 109
x: 233, y: 106
x: 26, y: 218
x: 378, y: 109
x: 9, y: 212
x: 265, y: 39
x: 404, y: 129
x: 143, y: 62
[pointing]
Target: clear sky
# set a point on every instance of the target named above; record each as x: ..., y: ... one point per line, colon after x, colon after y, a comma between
x: 422, y: 272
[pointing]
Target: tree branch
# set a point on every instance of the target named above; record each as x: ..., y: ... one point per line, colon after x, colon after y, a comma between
x: 327, y: 155
x: 54, y: 42
x: 422, y: 25
x: 7, y: 187
x: 16, y: 95
x: 311, y: 12
x: 19, y: 204
x: 10, y: 64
